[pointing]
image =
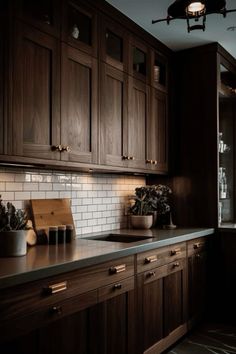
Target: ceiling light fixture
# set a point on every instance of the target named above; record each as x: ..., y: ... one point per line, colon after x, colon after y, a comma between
x: 195, y: 10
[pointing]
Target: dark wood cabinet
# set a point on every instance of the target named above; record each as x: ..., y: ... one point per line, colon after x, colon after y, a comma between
x: 197, y: 281
x: 79, y: 118
x: 138, y: 112
x: 79, y: 26
x: 2, y: 80
x: 113, y: 117
x: 157, y: 132
x: 161, y: 307
x: 114, y: 44
x: 35, y: 93
x: 139, y: 60
x: 44, y: 15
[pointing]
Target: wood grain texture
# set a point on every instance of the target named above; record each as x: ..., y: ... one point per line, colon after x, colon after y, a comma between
x: 1, y: 87
x: 51, y: 212
x: 79, y: 120
x: 36, y: 87
x: 113, y: 117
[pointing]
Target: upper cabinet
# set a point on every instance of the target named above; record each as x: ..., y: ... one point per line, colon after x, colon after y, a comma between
x: 78, y: 106
x: 139, y: 60
x: 114, y: 44
x: 85, y: 89
x: 43, y: 14
x: 36, y: 93
x: 79, y: 27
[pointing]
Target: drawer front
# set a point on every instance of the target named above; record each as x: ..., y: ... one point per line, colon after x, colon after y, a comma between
x: 163, y: 271
x: 196, y: 246
x: 27, y: 298
x: 160, y: 256
x: 23, y: 324
x: 115, y: 289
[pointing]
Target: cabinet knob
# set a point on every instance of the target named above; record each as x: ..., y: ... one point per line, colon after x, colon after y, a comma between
x: 66, y: 148
x: 124, y: 157
x: 196, y: 245
x: 131, y: 158
x: 117, y: 287
x: 176, y: 264
x: 154, y: 162
x: 151, y: 274
x: 149, y: 161
x: 117, y: 269
x: 57, y: 148
x: 56, y: 310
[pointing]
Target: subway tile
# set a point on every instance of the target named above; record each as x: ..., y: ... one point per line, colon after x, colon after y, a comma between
x: 14, y: 186
x: 22, y: 195
x: 39, y: 195
x: 87, y: 187
x: 82, y: 208
x: 106, y: 214
x: 97, y: 201
x: 97, y: 187
x: 87, y: 201
x: 18, y: 204
x: 76, y: 186
x: 92, y: 194
x: 97, y: 214
x: 97, y: 228
x: 7, y: 196
x: 106, y: 200
x: 102, y: 221
x: 93, y: 222
x: 52, y: 195
x: 86, y: 216
x: 65, y: 194
x: 2, y: 186
x: 22, y: 177
x: 59, y: 186
x: 102, y: 207
x: 30, y: 186
x: 37, y: 178
x: 45, y: 186
x: 6, y: 177
x: 87, y: 230
x: 92, y: 207
x: 102, y: 194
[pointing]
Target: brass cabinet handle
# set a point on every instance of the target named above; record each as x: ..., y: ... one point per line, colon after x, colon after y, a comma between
x: 57, y: 148
x: 130, y: 158
x: 56, y: 310
x: 66, y: 148
x: 154, y: 162
x: 176, y: 251
x: 117, y: 269
x: 150, y: 259
x: 55, y: 288
x: 149, y: 161
x: 125, y: 157
x: 176, y: 264
x: 117, y: 287
x: 151, y: 274
x: 197, y: 245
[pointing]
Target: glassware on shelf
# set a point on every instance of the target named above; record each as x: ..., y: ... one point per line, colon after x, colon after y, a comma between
x: 222, y: 183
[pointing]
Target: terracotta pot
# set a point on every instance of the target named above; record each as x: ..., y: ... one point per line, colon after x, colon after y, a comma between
x: 141, y: 221
x: 13, y: 243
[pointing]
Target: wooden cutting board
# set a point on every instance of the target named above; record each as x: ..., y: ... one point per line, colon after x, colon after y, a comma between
x: 51, y: 212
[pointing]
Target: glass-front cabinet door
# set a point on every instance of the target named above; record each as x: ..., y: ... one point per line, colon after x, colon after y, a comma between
x: 227, y: 148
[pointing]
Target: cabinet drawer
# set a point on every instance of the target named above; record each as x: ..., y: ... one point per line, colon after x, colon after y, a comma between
x: 160, y: 256
x: 30, y: 297
x: 22, y: 324
x: 115, y: 289
x: 164, y: 270
x: 196, y: 246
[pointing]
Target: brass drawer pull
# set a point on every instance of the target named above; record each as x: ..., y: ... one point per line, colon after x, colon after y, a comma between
x: 154, y: 162
x: 130, y: 158
x: 197, y: 245
x: 150, y: 259
x: 149, y: 161
x: 57, y: 148
x: 117, y: 269
x: 176, y: 251
x: 151, y: 274
x: 66, y: 148
x: 176, y: 264
x: 56, y: 309
x: 117, y: 287
x: 56, y: 288
x: 124, y: 157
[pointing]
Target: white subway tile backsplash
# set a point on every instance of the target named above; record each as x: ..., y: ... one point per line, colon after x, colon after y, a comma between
x: 97, y: 201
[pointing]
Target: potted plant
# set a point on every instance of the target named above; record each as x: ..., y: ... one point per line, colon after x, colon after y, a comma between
x: 141, y: 216
x: 150, y: 202
x: 13, y: 230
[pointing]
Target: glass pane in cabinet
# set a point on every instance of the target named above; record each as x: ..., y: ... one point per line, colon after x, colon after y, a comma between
x: 39, y: 10
x: 159, y: 72
x: 139, y: 61
x: 80, y: 26
x: 114, y: 46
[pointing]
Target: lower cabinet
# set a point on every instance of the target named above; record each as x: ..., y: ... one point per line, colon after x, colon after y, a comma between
x: 161, y: 307
x: 197, y: 281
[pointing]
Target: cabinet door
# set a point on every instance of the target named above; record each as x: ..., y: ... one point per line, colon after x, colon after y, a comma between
x: 79, y: 106
x: 113, y: 117
x: 36, y: 89
x: 196, y: 287
x: 157, y: 133
x: 116, y: 324
x: 138, y: 111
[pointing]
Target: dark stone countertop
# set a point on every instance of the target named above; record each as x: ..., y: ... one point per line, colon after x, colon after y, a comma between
x: 47, y: 260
